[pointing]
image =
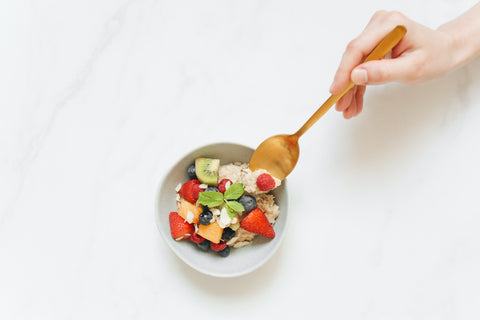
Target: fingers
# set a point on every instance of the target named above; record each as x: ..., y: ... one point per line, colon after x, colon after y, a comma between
x: 359, y: 96
x: 403, y: 69
x: 346, y: 100
x: 350, y: 59
x: 399, y: 67
x: 351, y: 104
x: 350, y: 111
x: 381, y: 23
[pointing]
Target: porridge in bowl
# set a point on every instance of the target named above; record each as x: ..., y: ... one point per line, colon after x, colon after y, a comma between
x: 224, y: 206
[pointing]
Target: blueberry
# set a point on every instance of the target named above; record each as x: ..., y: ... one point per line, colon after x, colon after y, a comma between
x: 191, y: 171
x: 205, y: 217
x: 248, y: 202
x: 212, y: 188
x: 227, y: 234
x: 225, y: 252
x: 204, y: 245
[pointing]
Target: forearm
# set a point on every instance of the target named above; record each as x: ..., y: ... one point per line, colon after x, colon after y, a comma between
x: 465, y: 33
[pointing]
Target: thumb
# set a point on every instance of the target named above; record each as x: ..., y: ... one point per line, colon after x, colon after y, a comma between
x: 401, y: 69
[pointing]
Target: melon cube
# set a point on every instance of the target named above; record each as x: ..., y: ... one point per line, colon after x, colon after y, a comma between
x: 212, y: 232
x: 189, y: 211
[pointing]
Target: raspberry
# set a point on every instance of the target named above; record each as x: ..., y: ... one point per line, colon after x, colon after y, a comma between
x: 196, y: 238
x: 265, y: 182
x: 222, y: 185
x: 218, y: 246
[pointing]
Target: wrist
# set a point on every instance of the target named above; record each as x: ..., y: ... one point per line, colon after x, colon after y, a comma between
x: 462, y: 34
x: 456, y: 46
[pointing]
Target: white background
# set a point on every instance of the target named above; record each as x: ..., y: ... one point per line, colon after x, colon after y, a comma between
x: 99, y: 97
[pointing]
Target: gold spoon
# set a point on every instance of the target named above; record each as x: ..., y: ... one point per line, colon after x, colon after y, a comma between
x: 279, y: 154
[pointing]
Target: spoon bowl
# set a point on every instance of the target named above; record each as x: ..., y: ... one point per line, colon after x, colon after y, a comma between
x: 279, y: 154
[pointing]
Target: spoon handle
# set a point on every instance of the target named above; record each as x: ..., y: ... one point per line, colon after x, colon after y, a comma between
x: 390, y: 41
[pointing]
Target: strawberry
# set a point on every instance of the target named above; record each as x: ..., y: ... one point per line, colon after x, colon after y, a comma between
x: 224, y: 184
x: 190, y: 190
x: 196, y: 238
x: 265, y: 182
x: 218, y: 246
x: 257, y: 222
x: 179, y: 228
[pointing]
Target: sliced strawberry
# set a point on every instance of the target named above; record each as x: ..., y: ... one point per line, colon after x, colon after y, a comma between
x: 218, y: 246
x: 179, y: 228
x: 190, y: 190
x: 224, y: 184
x: 196, y: 238
x: 265, y: 182
x: 196, y: 190
x: 257, y: 222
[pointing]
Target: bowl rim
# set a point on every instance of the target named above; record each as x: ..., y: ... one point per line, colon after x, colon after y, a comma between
x: 181, y: 256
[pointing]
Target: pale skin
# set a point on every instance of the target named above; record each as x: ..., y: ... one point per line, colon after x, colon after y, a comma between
x: 423, y: 54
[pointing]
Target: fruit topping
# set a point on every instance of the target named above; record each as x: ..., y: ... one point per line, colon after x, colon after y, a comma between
x: 212, y: 232
x: 257, y: 222
x: 235, y: 226
x: 227, y: 200
x: 225, y: 252
x: 191, y: 171
x: 205, y: 217
x: 265, y: 182
x: 212, y: 211
x: 211, y: 188
x: 189, y: 211
x: 224, y: 184
x: 224, y: 219
x: 196, y: 238
x: 179, y: 228
x: 204, y: 245
x: 227, y: 234
x: 248, y: 202
x: 206, y: 170
x: 218, y: 246
x: 190, y: 190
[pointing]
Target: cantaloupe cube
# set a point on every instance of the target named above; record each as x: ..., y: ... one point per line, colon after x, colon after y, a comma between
x: 185, y: 207
x: 212, y: 232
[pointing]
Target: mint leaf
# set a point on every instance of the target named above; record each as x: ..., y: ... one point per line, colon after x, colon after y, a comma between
x: 234, y: 191
x: 210, y: 198
x: 235, y: 206
x: 231, y: 212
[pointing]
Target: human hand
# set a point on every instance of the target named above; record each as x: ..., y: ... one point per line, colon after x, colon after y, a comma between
x: 422, y: 54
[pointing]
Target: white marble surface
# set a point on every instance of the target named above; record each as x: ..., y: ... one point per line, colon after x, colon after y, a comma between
x: 99, y: 97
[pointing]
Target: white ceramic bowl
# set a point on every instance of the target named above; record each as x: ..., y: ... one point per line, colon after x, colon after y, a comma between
x: 241, y: 260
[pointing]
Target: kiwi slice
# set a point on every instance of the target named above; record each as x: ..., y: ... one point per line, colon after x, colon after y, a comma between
x: 207, y: 170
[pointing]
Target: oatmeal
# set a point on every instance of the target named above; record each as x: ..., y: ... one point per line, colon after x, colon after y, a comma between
x: 224, y: 206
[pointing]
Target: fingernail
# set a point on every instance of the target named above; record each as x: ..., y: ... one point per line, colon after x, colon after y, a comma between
x: 359, y: 76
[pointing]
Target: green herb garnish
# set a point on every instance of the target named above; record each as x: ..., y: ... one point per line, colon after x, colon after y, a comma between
x: 234, y: 192
x: 215, y: 199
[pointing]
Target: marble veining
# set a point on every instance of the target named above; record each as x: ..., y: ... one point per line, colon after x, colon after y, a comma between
x: 101, y: 97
